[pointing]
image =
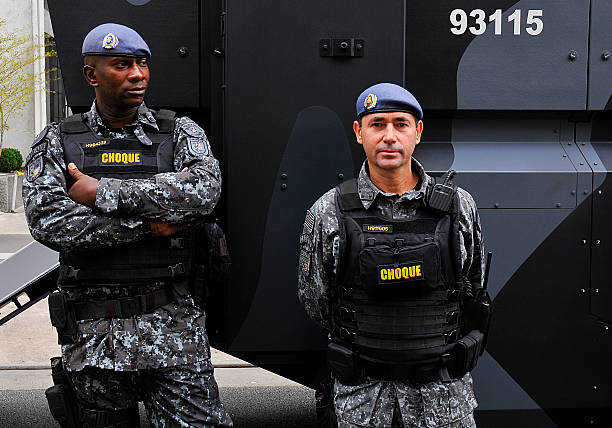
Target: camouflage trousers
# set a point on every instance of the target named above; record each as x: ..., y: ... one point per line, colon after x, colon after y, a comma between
x: 375, y: 403
x: 179, y: 396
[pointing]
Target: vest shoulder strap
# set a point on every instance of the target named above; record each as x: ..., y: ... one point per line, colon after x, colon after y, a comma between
x: 165, y: 120
x: 73, y: 125
x: 348, y: 196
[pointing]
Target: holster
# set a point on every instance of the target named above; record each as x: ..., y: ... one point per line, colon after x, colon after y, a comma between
x: 342, y: 362
x: 60, y: 397
x: 477, y: 316
x: 63, y: 318
x: 466, y: 353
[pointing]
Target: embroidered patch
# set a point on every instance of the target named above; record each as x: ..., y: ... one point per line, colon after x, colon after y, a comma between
x: 378, y: 228
x: 391, y: 274
x: 35, y: 168
x: 305, y: 262
x: 309, y: 222
x: 197, y: 146
x: 37, y: 150
x: 193, y: 129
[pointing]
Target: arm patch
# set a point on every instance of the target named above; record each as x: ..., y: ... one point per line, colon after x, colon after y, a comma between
x: 35, y: 168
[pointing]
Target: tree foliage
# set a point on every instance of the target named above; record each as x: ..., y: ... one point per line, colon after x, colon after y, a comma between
x: 18, y: 81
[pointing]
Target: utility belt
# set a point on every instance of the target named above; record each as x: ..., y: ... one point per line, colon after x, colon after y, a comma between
x: 349, y: 366
x: 65, y: 312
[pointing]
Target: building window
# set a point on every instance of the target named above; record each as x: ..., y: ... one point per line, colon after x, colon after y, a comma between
x: 56, y: 97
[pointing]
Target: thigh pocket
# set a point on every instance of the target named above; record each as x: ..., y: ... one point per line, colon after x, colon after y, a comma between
x: 446, y: 403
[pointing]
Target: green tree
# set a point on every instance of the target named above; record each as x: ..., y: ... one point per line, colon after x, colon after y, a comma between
x: 18, y: 83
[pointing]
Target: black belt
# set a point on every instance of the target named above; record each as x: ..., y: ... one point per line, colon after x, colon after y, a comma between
x: 126, y: 306
x: 417, y: 373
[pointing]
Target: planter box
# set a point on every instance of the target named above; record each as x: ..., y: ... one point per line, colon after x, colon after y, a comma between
x: 7, y: 181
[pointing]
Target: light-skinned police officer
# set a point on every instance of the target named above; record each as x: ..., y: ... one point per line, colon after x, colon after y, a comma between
x: 387, y: 262
x: 117, y: 191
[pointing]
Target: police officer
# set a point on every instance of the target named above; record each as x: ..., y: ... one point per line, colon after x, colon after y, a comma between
x: 387, y: 264
x: 117, y: 191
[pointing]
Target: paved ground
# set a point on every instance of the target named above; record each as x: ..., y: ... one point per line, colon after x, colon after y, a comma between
x: 254, y: 397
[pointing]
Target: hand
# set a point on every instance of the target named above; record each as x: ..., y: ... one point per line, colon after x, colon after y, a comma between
x: 83, y: 191
x: 163, y: 228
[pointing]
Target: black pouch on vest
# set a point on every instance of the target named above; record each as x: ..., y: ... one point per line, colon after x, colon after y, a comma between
x: 408, y: 266
x: 477, y: 315
x: 63, y: 318
x: 466, y: 353
x: 342, y: 363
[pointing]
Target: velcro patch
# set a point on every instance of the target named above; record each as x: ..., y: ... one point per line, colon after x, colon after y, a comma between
x: 197, y: 146
x: 309, y: 222
x: 391, y: 274
x: 126, y: 158
x: 95, y: 144
x: 192, y: 129
x: 35, y: 168
x: 378, y: 228
x: 37, y: 150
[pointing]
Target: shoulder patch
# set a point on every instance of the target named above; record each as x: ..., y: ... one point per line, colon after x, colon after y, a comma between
x: 40, y: 136
x: 35, y: 168
x: 309, y: 223
x: 37, y: 150
x: 197, y: 146
x: 192, y: 129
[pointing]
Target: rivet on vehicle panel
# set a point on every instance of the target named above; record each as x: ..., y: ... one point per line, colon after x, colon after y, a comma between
x: 496, y: 205
x: 573, y: 192
x: 183, y: 52
x: 606, y: 327
x: 572, y: 55
x: 596, y: 291
x: 582, y: 291
x: 558, y: 205
x: 325, y: 46
x: 564, y: 156
x: 283, y: 186
x: 584, y: 144
x: 605, y: 55
x: 341, y: 176
x: 594, y: 163
x: 586, y: 192
x: 283, y: 176
x: 583, y: 242
x: 597, y: 242
x: 599, y: 192
x: 595, y: 388
x: 581, y: 163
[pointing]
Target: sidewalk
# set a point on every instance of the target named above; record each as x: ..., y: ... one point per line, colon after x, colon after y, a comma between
x: 28, y: 341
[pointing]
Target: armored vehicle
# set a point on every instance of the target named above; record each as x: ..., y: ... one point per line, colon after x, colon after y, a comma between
x: 516, y: 97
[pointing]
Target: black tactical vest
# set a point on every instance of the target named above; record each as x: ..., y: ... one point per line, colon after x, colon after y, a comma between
x: 152, y: 259
x: 396, y: 300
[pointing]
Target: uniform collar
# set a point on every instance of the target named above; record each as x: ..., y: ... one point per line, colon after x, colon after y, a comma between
x: 145, y: 116
x: 368, y: 191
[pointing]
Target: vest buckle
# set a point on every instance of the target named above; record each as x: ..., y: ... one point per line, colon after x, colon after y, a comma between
x: 177, y: 269
x: 451, y: 336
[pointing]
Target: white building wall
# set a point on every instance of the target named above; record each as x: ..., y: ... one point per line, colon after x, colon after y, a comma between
x: 29, y: 16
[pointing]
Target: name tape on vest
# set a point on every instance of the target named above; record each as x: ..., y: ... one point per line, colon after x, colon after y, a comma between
x: 119, y: 158
x: 378, y: 228
x: 96, y: 144
x: 391, y: 274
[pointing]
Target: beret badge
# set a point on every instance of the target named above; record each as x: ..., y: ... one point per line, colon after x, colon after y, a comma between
x: 110, y: 41
x: 370, y: 101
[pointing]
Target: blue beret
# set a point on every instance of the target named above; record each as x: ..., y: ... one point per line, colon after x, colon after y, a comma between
x: 115, y: 40
x: 387, y: 97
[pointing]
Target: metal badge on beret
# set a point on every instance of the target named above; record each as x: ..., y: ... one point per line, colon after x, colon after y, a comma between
x: 110, y: 41
x: 197, y: 146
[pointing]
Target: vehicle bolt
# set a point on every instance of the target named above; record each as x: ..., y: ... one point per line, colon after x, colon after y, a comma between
x: 283, y: 176
x: 558, y: 205
x: 496, y: 205
x: 573, y: 192
x: 325, y: 46
x: 218, y: 52
x: 606, y: 327
x: 583, y: 242
x: 183, y: 52
x: 594, y: 163
x: 283, y: 186
x: 359, y: 46
x: 586, y: 192
x: 564, y: 156
x: 341, y: 176
x: 595, y: 388
x: 584, y: 144
x: 343, y: 45
x: 596, y: 291
x: 582, y: 291
x: 599, y: 192
x: 605, y: 55
x: 581, y: 163
x: 597, y: 242
x: 572, y: 55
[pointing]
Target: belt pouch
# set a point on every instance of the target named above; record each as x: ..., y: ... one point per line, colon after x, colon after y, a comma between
x: 342, y: 362
x: 466, y: 352
x: 63, y: 318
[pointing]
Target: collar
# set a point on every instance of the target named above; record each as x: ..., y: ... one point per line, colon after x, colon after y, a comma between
x: 368, y: 191
x: 145, y: 116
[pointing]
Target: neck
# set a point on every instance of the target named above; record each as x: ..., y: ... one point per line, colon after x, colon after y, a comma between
x: 396, y: 181
x: 116, y: 118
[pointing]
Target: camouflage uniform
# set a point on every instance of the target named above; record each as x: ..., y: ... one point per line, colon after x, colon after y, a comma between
x: 162, y: 357
x: 375, y: 403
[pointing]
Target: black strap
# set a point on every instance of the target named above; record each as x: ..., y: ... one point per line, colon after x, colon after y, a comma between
x: 165, y: 120
x: 73, y: 125
x: 124, y: 307
x: 348, y: 196
x: 84, y: 275
x: 421, y: 373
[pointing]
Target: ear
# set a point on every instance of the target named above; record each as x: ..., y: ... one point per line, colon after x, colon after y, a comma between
x: 419, y: 131
x: 89, y: 72
x: 357, y: 131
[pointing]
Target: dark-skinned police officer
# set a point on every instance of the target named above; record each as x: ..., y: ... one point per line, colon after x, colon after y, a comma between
x: 387, y: 264
x: 116, y: 191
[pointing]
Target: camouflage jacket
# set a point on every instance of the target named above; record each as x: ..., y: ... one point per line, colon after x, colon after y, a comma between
x: 173, y: 334
x: 319, y: 256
